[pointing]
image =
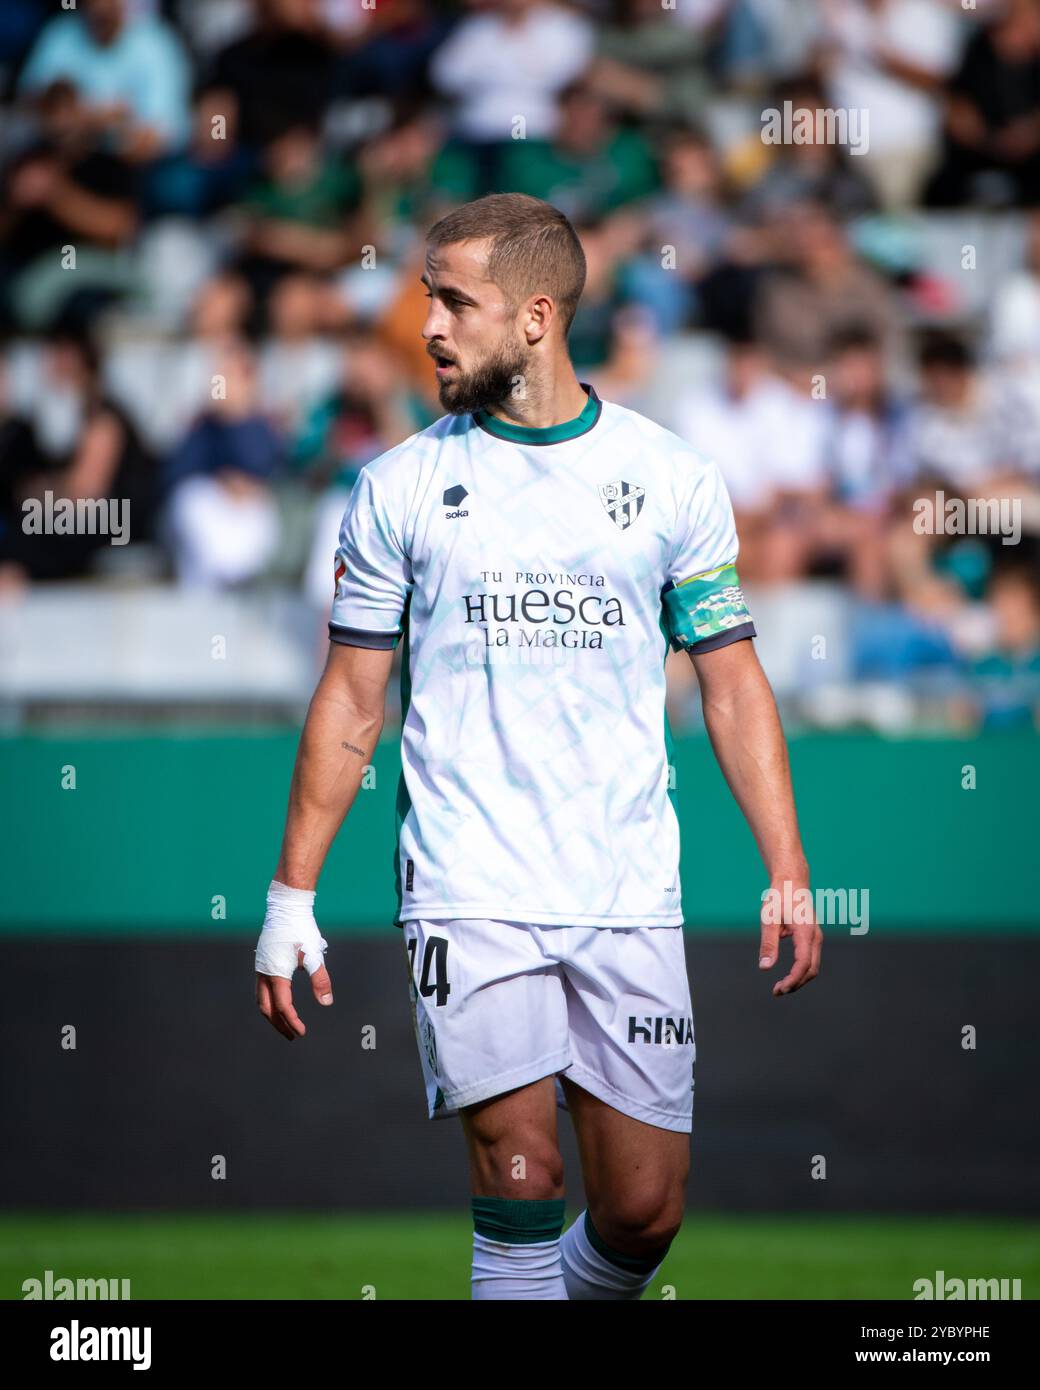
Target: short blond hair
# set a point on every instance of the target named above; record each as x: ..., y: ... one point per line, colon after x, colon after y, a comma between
x: 533, y: 247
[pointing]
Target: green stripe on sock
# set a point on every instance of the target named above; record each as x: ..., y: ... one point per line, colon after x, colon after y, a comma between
x: 515, y: 1221
x: 632, y: 1264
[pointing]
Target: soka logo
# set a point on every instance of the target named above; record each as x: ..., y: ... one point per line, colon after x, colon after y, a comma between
x: 623, y: 501
x: 453, y: 497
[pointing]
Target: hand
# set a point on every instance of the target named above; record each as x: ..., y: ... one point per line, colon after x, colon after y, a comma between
x: 106, y: 115
x: 289, y: 938
x: 965, y: 124
x: 1018, y: 140
x: 242, y: 487
x: 35, y: 183
x: 787, y: 910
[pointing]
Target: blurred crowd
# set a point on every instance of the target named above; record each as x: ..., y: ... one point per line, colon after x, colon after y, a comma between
x: 211, y: 232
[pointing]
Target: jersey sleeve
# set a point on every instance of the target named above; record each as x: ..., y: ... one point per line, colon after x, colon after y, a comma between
x: 702, y: 601
x: 373, y: 572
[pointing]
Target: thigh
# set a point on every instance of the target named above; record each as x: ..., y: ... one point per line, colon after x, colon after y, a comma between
x: 633, y: 1172
x: 630, y: 1024
x: 512, y: 1144
x: 490, y: 1010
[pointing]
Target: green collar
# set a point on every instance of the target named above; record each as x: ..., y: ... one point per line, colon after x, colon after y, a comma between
x: 551, y: 434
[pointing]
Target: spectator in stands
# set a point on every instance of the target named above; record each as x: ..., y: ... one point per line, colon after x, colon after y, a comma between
x: 812, y: 171
x: 130, y: 71
x: 278, y: 76
x: 651, y: 65
x: 19, y: 26
x: 889, y: 59
x: 400, y: 325
x: 592, y: 333
x: 220, y: 517
x: 866, y: 434
x: 370, y: 411
x: 969, y: 429
x: 627, y: 375
x: 168, y: 383
x: 410, y: 177
x: 591, y: 167
x: 64, y: 191
x: 992, y: 146
x: 299, y: 213
x: 866, y: 462
x: 388, y: 54
x: 819, y: 288
x: 509, y: 61
x: 222, y: 310
x: 22, y: 460
x: 767, y: 439
x: 89, y: 449
x: 297, y: 361
x: 1007, y: 678
x: 683, y: 230
x: 208, y: 174
x: 759, y: 42
x: 1015, y: 317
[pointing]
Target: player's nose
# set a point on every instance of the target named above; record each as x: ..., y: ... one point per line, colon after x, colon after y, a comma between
x: 434, y: 325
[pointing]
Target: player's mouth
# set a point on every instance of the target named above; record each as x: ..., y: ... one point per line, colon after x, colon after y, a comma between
x: 444, y: 365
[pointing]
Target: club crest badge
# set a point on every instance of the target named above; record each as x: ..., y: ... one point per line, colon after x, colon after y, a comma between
x: 623, y: 501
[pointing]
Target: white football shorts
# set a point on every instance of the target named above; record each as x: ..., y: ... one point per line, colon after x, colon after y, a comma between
x: 498, y: 1005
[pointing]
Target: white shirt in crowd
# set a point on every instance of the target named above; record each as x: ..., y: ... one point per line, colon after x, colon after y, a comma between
x: 925, y: 33
x: 769, y: 439
x: 500, y: 69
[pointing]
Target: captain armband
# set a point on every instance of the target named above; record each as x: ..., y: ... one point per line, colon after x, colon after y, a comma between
x: 706, y: 611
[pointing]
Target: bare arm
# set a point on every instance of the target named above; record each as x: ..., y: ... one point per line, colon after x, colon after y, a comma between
x: 42, y: 183
x: 748, y: 741
x: 109, y: 221
x: 342, y: 728
x: 311, y: 248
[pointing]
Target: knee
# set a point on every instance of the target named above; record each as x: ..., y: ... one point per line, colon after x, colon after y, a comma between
x: 525, y: 1166
x: 640, y: 1223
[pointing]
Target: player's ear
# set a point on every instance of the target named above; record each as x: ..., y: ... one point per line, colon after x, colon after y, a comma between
x: 538, y: 318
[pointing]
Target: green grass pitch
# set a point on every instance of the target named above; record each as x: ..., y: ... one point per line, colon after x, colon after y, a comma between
x: 426, y: 1255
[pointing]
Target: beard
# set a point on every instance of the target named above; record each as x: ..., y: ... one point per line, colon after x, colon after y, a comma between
x: 486, y: 385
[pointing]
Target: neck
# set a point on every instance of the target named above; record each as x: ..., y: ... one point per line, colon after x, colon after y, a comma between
x: 549, y: 398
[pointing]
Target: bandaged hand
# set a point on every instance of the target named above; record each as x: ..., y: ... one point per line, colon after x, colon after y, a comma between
x: 289, y: 938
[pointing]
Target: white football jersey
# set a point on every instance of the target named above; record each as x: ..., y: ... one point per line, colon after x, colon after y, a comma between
x: 537, y: 577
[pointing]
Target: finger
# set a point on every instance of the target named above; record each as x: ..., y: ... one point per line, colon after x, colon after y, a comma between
x: 814, y: 960
x: 266, y: 1006
x: 768, y: 945
x: 281, y: 993
x: 322, y: 986
x: 815, y: 950
x: 801, y: 967
x: 279, y: 1024
x: 313, y: 959
x: 802, y: 961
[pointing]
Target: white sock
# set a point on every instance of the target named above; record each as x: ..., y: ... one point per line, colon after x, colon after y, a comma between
x: 516, y: 1271
x: 588, y: 1274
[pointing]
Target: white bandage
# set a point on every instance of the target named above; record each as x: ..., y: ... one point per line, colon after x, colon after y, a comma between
x: 289, y: 928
